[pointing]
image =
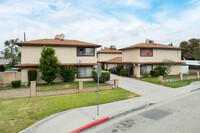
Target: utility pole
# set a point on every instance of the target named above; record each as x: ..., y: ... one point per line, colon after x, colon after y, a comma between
x: 24, y: 36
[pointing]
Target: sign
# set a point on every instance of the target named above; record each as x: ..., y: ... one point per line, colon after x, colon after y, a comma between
x: 99, y: 70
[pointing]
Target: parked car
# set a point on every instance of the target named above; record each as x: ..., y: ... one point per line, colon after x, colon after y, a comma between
x: 112, y: 70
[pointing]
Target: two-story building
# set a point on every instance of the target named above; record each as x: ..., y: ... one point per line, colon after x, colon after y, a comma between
x: 109, y: 57
x: 69, y: 52
x: 144, y: 57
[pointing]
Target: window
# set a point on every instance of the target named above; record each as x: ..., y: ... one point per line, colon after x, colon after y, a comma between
x: 85, y: 72
x: 145, y: 69
x: 85, y: 51
x: 146, y: 52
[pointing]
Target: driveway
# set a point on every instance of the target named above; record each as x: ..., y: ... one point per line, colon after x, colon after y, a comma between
x: 138, y: 86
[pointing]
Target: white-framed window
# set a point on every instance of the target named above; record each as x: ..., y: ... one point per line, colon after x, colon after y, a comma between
x: 85, y: 51
x: 85, y: 72
x: 146, y: 69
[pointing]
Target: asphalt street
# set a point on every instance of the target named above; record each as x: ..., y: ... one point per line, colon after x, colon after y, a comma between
x: 179, y: 116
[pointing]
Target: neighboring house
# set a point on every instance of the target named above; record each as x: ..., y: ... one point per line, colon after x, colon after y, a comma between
x: 109, y: 57
x: 144, y: 57
x: 69, y: 52
x: 190, y: 66
x: 3, y: 62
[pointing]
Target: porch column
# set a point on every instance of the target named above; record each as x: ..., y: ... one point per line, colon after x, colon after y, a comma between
x: 133, y: 67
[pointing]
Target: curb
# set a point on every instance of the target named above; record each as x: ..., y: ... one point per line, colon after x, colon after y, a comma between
x: 92, y: 124
x: 102, y: 120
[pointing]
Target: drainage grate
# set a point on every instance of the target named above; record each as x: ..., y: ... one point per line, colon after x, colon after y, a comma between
x: 155, y: 114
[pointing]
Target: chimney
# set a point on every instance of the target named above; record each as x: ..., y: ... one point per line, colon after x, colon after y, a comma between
x: 57, y: 37
x: 149, y: 41
x: 60, y: 37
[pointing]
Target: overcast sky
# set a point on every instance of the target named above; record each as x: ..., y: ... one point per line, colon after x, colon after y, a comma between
x: 106, y: 22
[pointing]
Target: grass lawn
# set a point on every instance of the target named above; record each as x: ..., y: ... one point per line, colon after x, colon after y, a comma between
x: 10, y: 87
x: 17, y: 114
x: 69, y: 85
x: 169, y: 84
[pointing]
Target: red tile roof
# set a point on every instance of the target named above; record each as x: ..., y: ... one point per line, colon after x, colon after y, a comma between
x: 152, y: 45
x: 57, y: 42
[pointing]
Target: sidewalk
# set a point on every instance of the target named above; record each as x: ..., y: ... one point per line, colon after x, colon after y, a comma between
x: 68, y: 121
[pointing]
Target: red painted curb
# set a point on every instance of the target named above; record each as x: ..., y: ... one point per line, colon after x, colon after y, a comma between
x: 92, y: 124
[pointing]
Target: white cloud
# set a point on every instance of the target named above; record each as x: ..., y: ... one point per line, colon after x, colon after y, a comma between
x: 45, y: 19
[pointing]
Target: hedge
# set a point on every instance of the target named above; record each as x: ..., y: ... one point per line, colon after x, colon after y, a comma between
x: 155, y: 73
x: 105, y: 76
x: 16, y: 83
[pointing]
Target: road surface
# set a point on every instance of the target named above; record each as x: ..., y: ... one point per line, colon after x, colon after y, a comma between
x: 178, y: 116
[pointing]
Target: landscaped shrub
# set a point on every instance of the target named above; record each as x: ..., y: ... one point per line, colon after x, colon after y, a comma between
x: 68, y: 73
x: 16, y: 83
x: 105, y: 76
x: 32, y: 75
x: 119, y: 68
x: 122, y: 73
x: 161, y: 69
x: 146, y: 75
x: 155, y: 73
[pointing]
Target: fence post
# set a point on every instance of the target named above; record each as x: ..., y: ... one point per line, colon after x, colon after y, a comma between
x: 197, y: 75
x: 33, y: 89
x: 160, y: 79
x: 116, y: 83
x: 80, y: 87
x: 181, y: 77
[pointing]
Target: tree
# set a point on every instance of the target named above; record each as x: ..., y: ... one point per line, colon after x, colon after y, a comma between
x: 49, y: 65
x: 190, y: 51
x: 196, y: 52
x: 168, y: 63
x: 11, y: 52
x: 68, y: 73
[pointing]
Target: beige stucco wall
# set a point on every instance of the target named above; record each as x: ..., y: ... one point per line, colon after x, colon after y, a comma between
x: 133, y: 55
x: 105, y: 57
x: 175, y: 69
x: 130, y: 55
x: 24, y: 76
x: 32, y: 54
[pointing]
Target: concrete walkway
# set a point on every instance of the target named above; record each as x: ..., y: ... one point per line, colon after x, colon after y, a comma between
x: 138, y: 86
x: 70, y: 120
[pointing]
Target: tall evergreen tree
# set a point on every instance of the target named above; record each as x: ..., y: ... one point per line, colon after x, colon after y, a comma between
x: 49, y: 65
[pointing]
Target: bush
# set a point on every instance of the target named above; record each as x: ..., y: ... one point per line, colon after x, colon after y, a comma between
x: 68, y: 73
x: 119, y: 68
x: 122, y: 73
x: 32, y: 75
x: 16, y: 83
x: 105, y: 76
x: 155, y: 73
x: 161, y: 69
x: 146, y: 75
